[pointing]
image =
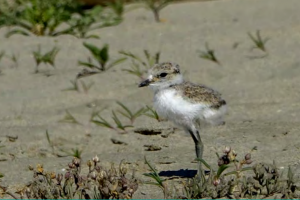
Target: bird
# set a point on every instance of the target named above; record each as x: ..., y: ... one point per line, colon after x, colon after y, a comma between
x: 184, y: 103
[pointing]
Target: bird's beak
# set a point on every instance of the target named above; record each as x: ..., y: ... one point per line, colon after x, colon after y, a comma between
x: 145, y: 83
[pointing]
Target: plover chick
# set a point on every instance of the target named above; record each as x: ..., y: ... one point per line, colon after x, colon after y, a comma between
x: 184, y: 103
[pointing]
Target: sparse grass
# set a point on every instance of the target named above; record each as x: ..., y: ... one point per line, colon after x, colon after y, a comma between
x: 130, y: 115
x: 140, y: 66
x: 264, y: 182
x: 119, y: 126
x: 14, y: 58
x: 158, y: 181
x: 74, y: 86
x: 46, y: 58
x: 69, y: 118
x: 85, y: 73
x: 76, y: 153
x: 102, y: 58
x: 156, y: 6
x: 79, y: 85
x: 36, y: 16
x: 49, y: 141
x: 208, y: 54
x: 2, y: 53
x: 97, y: 183
x: 152, y: 114
x: 259, y: 42
x: 96, y: 18
x: 42, y: 18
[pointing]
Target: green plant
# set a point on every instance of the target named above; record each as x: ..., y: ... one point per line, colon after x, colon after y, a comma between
x: 104, y: 123
x: 259, y: 42
x: 118, y: 8
x: 138, y: 62
x: 47, y: 58
x: 38, y: 17
x: 101, y: 56
x: 130, y: 115
x: 76, y: 153
x: 75, y: 86
x: 69, y: 118
x: 45, y: 17
x: 158, y: 181
x: 2, y: 53
x: 14, y: 58
x: 49, y: 141
x: 97, y: 17
x: 156, y: 6
x: 85, y: 73
x: 208, y: 54
x: 152, y: 114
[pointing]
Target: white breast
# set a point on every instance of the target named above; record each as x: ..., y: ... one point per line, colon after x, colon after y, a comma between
x: 169, y: 104
x: 172, y: 106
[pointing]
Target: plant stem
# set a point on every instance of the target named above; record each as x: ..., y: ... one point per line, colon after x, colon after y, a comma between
x: 156, y: 15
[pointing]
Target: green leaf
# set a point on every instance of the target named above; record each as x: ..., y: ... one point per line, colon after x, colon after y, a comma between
x: 131, y: 55
x: 116, y: 62
x: 16, y: 31
x: 117, y: 121
x: 94, y: 50
x: 126, y: 109
x: 290, y: 176
x: 235, y: 172
x: 103, y: 123
x: 104, y: 55
x: 87, y: 64
x: 69, y: 118
x: 92, y: 36
x: 85, y: 87
x: 204, y: 162
x: 2, y: 53
x: 75, y: 86
x: 139, y: 112
x: 154, y: 175
x: 221, y: 169
x: 48, y: 137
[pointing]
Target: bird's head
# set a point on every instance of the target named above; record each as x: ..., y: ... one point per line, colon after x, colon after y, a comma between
x: 163, y: 75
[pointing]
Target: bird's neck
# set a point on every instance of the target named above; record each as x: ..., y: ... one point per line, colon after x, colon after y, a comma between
x: 162, y: 86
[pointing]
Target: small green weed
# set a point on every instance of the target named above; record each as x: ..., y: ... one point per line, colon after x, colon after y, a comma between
x: 69, y: 118
x: 259, y: 42
x: 208, y: 54
x: 158, y: 181
x: 152, y: 114
x: 156, y: 6
x: 37, y: 17
x: 140, y: 66
x: 47, y: 58
x: 102, y: 58
x: 76, y: 86
x: 130, y: 115
x: 119, y: 126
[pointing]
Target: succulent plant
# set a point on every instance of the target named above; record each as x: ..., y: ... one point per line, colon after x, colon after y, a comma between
x: 98, y: 183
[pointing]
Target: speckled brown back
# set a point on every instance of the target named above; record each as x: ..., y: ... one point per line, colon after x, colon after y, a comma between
x: 200, y: 94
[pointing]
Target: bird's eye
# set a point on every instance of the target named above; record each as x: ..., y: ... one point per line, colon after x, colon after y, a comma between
x: 163, y: 74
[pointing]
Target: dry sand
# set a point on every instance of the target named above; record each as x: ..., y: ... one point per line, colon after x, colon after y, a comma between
x: 262, y: 94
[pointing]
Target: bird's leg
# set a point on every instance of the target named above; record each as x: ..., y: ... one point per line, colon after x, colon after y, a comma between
x: 198, y: 147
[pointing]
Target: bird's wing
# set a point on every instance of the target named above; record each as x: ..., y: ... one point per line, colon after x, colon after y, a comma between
x: 200, y: 94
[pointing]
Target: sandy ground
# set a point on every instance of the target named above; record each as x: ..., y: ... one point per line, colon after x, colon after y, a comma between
x: 262, y: 93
